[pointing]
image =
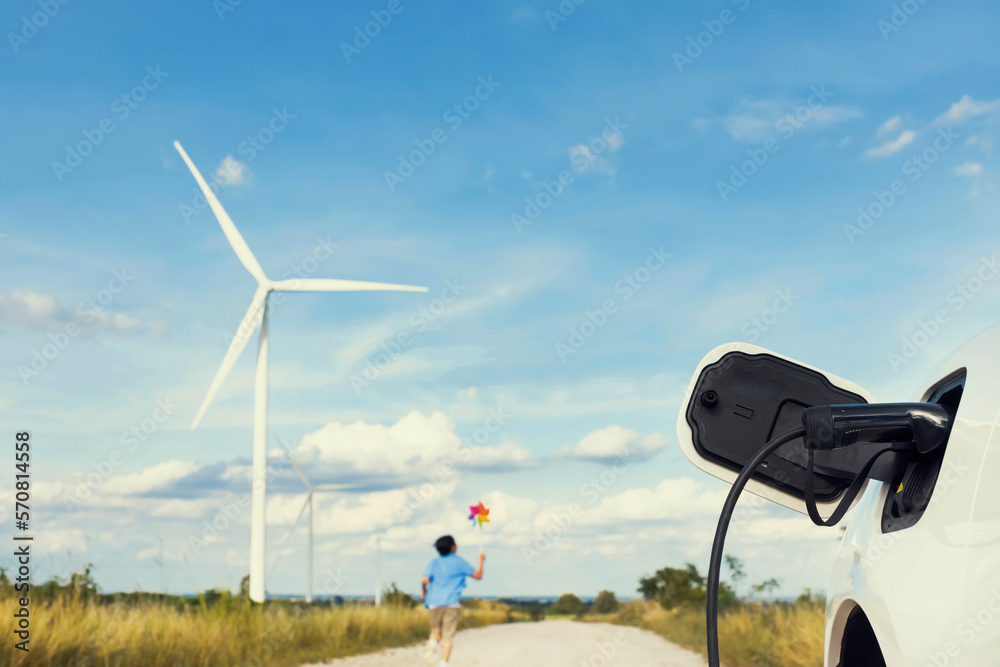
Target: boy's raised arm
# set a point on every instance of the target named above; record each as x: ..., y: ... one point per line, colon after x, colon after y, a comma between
x: 423, y: 587
x: 478, y: 574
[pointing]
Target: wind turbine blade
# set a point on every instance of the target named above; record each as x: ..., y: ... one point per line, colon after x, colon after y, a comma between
x: 335, y: 285
x: 240, y: 340
x: 297, y: 519
x: 228, y: 227
x: 337, y: 487
x: 298, y: 471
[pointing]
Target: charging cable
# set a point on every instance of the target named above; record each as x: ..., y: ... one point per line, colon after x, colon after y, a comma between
x: 912, y: 427
x: 715, y: 564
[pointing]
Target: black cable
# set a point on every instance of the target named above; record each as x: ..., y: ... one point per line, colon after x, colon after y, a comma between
x: 715, y: 564
x: 853, y: 490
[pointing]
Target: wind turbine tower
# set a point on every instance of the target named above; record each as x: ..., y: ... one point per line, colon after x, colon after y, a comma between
x: 257, y: 314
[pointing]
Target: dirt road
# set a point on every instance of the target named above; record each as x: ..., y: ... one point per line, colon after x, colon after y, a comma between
x: 544, y: 644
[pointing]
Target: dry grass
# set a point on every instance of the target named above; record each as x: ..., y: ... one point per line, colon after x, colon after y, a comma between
x: 68, y: 631
x: 749, y: 636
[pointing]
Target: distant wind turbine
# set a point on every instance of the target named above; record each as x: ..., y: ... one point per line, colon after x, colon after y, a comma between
x: 257, y: 314
x: 312, y: 490
x: 378, y: 570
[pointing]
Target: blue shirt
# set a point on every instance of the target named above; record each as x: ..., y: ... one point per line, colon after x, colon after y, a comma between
x: 447, y: 575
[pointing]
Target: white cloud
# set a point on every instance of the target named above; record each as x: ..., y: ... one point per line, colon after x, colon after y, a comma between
x: 845, y: 141
x: 890, y: 125
x: 150, y: 479
x: 28, y: 309
x: 969, y: 169
x: 613, y: 441
x: 615, y: 141
x: 671, y: 500
x: 61, y: 540
x: 984, y: 144
x: 409, y: 447
x: 893, y: 146
x: 833, y: 114
x: 751, y: 127
x: 124, y: 322
x: 964, y: 109
x: 584, y: 160
x: 233, y: 172
x: 182, y: 508
x: 754, y: 121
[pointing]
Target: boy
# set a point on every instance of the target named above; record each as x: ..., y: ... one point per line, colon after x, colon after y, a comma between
x: 441, y: 591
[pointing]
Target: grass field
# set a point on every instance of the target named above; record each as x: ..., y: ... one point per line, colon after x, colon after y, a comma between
x: 72, y: 624
x: 750, y: 635
x: 70, y: 629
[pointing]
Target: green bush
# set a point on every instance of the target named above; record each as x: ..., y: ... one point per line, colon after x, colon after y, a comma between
x: 394, y: 597
x: 673, y: 587
x: 605, y: 603
x: 568, y: 604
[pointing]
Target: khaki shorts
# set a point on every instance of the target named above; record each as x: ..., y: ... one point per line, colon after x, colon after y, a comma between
x: 443, y: 620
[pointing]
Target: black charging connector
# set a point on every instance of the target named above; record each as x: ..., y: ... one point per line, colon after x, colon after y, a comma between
x: 920, y: 428
x: 828, y: 427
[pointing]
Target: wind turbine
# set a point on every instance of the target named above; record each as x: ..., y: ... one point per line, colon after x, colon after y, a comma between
x: 312, y: 490
x: 160, y: 561
x: 378, y: 570
x: 257, y: 314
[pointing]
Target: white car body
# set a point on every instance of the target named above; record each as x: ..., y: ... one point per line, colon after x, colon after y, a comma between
x: 930, y: 592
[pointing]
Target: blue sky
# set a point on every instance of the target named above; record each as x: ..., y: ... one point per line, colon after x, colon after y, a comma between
x: 746, y: 162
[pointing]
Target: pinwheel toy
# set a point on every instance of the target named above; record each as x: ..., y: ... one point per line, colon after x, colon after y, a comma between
x: 479, y: 515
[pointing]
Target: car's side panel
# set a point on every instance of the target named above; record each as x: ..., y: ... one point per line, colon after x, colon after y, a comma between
x: 919, y: 585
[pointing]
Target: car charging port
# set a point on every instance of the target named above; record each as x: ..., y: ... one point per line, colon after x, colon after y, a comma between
x: 912, y: 485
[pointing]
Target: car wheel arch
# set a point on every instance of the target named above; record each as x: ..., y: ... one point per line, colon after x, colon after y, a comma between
x: 853, y: 642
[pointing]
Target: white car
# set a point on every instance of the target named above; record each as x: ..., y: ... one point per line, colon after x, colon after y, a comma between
x: 917, y: 580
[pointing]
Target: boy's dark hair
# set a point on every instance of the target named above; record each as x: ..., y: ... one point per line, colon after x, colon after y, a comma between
x: 444, y: 544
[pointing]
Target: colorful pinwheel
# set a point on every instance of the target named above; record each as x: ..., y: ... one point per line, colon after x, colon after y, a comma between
x: 479, y: 514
